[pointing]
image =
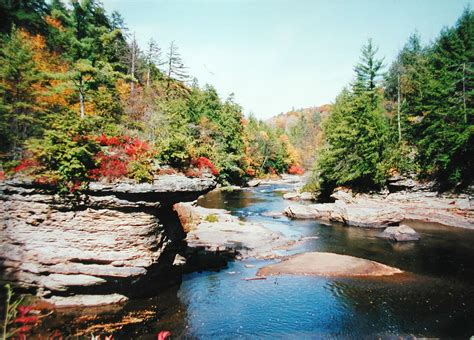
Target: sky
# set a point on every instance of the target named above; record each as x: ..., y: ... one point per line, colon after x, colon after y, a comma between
x: 275, y: 55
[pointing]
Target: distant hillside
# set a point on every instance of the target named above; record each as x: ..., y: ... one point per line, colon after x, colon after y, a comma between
x: 303, y: 129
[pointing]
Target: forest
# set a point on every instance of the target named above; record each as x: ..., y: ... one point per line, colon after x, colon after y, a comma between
x: 81, y: 101
x: 414, y: 119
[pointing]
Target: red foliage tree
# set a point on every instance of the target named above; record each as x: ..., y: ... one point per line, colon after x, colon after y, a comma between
x: 204, y: 163
x: 295, y: 170
x: 117, y: 153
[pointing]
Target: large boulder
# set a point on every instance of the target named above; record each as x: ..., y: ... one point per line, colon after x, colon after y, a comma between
x: 357, y: 215
x: 400, y: 233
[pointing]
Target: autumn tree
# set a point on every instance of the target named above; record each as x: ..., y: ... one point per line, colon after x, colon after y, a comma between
x: 18, y: 75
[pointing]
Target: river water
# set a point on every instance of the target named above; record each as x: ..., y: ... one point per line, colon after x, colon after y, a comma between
x: 434, y: 299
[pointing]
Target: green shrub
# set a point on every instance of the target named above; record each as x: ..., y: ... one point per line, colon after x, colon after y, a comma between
x: 212, y: 218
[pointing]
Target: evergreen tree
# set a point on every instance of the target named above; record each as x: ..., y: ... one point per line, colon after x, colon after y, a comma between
x: 355, y: 143
x: 175, y: 66
x: 26, y: 14
x: 18, y: 108
x: 445, y: 132
x: 368, y: 70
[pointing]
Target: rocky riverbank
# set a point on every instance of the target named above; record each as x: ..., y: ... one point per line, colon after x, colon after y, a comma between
x: 383, y: 210
x: 99, y: 248
x: 217, y: 232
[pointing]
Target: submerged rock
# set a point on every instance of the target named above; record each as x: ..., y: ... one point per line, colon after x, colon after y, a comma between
x: 328, y: 264
x: 400, y: 233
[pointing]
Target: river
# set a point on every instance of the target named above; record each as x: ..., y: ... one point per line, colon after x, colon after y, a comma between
x: 435, y: 298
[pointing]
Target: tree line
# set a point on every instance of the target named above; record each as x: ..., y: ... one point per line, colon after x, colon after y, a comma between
x: 415, y: 120
x: 81, y: 100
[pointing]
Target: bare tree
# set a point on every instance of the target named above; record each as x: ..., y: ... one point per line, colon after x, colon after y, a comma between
x: 134, y: 51
x: 153, y: 56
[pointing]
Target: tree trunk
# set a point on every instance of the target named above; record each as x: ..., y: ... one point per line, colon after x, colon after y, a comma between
x: 81, y: 101
x: 464, y: 91
x: 132, y: 71
x: 398, y: 110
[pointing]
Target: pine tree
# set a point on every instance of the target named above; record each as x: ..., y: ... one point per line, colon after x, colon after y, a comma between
x: 445, y: 133
x: 176, y: 69
x: 18, y: 107
x: 368, y: 70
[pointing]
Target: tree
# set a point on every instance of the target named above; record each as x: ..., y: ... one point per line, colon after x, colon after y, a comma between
x: 87, y: 34
x: 18, y: 75
x: 134, y: 52
x: 153, y: 59
x: 355, y: 143
x: 25, y: 14
x: 368, y: 70
x: 176, y: 69
x: 445, y: 134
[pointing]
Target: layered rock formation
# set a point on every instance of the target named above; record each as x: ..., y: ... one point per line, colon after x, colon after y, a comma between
x: 110, y: 240
x: 380, y: 211
x: 216, y: 231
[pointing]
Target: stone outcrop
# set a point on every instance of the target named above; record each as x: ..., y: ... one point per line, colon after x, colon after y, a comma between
x: 216, y: 231
x: 400, y: 234
x: 109, y: 240
x: 86, y: 300
x: 327, y: 264
x: 253, y: 183
x: 381, y: 211
x: 297, y: 196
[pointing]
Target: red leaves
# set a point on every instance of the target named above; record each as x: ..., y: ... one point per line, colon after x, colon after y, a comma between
x: 110, y: 167
x: 114, y: 160
x: 108, y: 141
x: 2, y: 175
x: 295, y: 170
x: 163, y: 335
x: 136, y: 148
x: 26, y: 319
x: 26, y: 322
x: 23, y: 310
x: 204, y: 163
x: 27, y: 165
x: 251, y: 172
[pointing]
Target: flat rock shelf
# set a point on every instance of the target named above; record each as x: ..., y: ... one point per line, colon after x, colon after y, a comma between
x: 328, y: 264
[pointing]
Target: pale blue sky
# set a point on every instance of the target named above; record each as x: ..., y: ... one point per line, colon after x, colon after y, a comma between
x: 279, y: 54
